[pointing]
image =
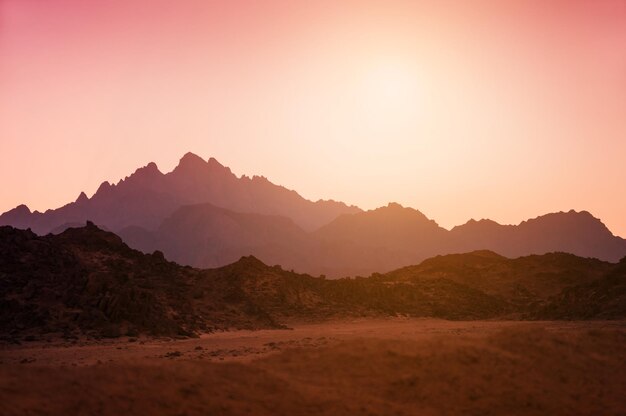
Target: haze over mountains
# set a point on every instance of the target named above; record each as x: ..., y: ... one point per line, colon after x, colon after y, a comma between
x: 203, y: 215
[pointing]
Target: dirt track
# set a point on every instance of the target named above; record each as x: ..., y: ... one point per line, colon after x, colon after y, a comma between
x: 395, y: 366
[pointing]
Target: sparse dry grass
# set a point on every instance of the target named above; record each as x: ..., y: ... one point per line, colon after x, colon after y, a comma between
x: 416, y: 367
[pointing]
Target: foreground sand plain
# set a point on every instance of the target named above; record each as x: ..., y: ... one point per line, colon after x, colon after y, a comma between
x: 393, y: 366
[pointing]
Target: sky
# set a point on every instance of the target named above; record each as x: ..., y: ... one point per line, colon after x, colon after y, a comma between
x: 485, y: 109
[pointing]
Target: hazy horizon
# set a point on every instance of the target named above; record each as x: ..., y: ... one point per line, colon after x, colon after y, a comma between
x: 489, y: 110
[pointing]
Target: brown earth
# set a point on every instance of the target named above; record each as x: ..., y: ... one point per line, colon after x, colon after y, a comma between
x: 394, y: 366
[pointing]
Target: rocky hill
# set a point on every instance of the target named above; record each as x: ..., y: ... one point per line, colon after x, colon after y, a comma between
x: 528, y: 284
x: 87, y: 281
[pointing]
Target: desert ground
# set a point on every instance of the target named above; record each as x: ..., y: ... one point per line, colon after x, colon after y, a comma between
x: 396, y: 366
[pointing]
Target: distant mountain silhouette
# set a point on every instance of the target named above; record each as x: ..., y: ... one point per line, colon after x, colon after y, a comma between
x: 392, y: 226
x: 208, y: 236
x: 379, y: 240
x: 359, y: 244
x: 572, y: 232
x: 202, y: 215
x: 393, y: 236
x: 148, y: 196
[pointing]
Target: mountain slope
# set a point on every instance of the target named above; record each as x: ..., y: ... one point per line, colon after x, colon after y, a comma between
x: 601, y: 299
x: 525, y: 282
x: 202, y: 215
x: 88, y: 281
x: 148, y: 196
x: 572, y: 232
x: 380, y: 240
x: 394, y: 227
x: 207, y: 236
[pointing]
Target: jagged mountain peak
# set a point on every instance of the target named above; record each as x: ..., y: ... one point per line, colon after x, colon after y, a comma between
x: 571, y: 214
x: 18, y: 217
x: 147, y: 196
x: 20, y: 209
x: 82, y: 198
x: 104, y: 187
x: 191, y: 161
x: 394, y: 205
x: 148, y: 175
x: 483, y: 223
x: 193, y: 166
x: 250, y: 261
x: 394, y: 211
x: 191, y: 157
x: 151, y: 169
x: 213, y: 162
x: 570, y: 219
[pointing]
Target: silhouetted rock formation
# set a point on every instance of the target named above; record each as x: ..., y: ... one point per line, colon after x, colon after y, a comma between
x: 573, y: 232
x: 86, y: 280
x: 202, y: 215
x: 359, y: 244
x: 148, y: 196
x: 207, y: 236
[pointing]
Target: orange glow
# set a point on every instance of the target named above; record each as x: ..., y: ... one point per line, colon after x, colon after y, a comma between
x: 488, y: 109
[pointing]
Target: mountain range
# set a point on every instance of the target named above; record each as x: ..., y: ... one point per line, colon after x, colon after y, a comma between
x: 148, y: 196
x: 88, y: 281
x: 203, y: 215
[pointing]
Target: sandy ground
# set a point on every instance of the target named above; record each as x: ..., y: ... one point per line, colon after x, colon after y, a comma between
x: 369, y: 367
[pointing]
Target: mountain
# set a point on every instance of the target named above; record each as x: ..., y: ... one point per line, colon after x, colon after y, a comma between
x: 394, y: 236
x: 202, y: 215
x: 525, y: 282
x: 379, y: 240
x: 147, y: 197
x: 208, y: 236
x: 600, y: 299
x: 87, y: 281
x: 573, y: 232
x: 359, y: 244
x: 394, y: 227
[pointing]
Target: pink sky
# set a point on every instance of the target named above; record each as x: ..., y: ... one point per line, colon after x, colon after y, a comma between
x: 494, y: 109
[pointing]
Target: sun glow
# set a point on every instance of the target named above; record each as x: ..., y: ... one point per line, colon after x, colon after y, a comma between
x: 389, y: 96
x: 391, y: 83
